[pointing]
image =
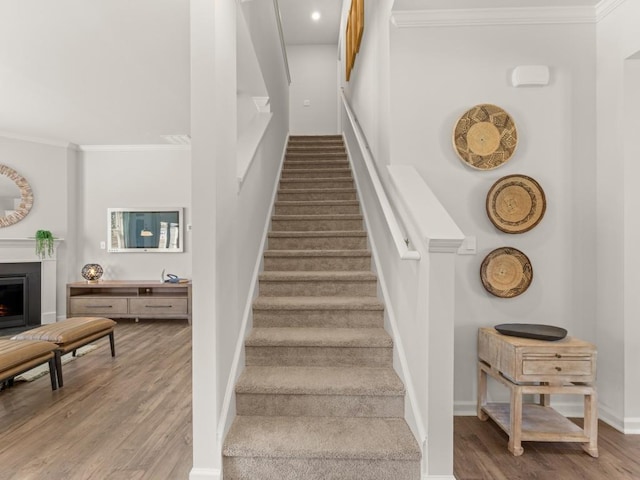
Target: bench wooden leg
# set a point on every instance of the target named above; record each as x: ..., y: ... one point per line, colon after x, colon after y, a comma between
x: 112, y: 342
x: 58, y: 360
x: 52, y: 373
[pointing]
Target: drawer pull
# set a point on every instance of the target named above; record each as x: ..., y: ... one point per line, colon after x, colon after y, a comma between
x: 99, y: 306
x: 559, y: 369
x: 158, y: 306
x: 558, y: 355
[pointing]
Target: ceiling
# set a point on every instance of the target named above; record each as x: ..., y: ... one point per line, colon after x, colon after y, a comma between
x: 116, y: 72
x: 95, y: 72
x: 298, y: 27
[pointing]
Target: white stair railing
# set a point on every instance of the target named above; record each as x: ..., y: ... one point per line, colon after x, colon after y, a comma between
x: 400, y: 240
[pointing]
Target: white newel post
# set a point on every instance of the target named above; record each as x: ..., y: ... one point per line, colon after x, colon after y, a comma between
x: 19, y: 250
x: 439, y: 452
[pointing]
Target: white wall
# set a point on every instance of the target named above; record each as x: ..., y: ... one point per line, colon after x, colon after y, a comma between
x: 618, y: 231
x: 368, y: 89
x: 228, y: 222
x: 313, y: 78
x: 137, y: 178
x: 439, y: 73
x: 50, y: 170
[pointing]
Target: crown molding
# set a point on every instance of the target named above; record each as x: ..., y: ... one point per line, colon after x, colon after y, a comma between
x: 41, y: 141
x: 132, y: 148
x: 494, y: 16
x: 605, y: 7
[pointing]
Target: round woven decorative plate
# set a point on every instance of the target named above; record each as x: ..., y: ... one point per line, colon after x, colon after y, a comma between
x: 506, y: 272
x: 516, y: 203
x: 485, y: 137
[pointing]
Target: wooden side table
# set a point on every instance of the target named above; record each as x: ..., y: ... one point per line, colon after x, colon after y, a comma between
x: 527, y: 366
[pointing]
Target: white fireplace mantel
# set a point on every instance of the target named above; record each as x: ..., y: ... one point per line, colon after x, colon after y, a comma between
x: 17, y: 250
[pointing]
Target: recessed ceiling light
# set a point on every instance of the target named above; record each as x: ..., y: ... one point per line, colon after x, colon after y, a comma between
x: 315, y: 16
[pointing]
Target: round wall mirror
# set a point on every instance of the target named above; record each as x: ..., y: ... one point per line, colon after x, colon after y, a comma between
x: 16, y: 197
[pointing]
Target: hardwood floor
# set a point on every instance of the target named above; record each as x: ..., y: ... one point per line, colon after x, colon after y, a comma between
x: 127, y: 417
x: 481, y: 454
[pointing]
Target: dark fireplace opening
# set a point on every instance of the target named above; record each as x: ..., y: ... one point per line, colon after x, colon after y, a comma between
x: 19, y: 296
x: 13, y: 302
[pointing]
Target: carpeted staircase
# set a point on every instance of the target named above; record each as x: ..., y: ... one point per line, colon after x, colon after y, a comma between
x: 319, y: 399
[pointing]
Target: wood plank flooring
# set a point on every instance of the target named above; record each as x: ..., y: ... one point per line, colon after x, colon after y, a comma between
x: 127, y: 417
x: 480, y: 453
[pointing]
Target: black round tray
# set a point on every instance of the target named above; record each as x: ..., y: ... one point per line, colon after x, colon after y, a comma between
x: 532, y: 330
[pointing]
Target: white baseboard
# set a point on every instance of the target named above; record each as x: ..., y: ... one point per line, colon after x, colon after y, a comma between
x: 205, y: 474
x: 438, y: 477
x: 464, y: 409
x: 632, y: 425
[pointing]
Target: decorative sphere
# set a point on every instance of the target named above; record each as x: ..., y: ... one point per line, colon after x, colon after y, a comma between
x: 92, y: 272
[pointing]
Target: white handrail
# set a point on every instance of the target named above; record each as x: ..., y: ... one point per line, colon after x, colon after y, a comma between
x: 394, y: 227
x: 276, y: 6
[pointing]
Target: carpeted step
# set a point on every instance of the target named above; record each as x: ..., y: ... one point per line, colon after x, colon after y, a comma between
x: 310, y: 147
x: 333, y: 240
x: 315, y: 138
x: 310, y: 223
x: 299, y: 156
x: 302, y: 164
x: 305, y: 183
x: 317, y: 173
x: 317, y: 260
x: 320, y: 392
x: 319, y: 207
x: 320, y: 347
x: 320, y: 448
x: 318, y: 284
x: 317, y: 194
x: 324, y: 312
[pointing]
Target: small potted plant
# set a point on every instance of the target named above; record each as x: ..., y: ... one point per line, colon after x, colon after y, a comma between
x: 44, y: 243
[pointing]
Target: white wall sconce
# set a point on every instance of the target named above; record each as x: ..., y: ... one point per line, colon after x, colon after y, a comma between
x: 530, y: 75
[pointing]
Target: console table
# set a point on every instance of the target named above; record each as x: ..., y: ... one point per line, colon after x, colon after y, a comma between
x: 528, y: 366
x: 129, y: 299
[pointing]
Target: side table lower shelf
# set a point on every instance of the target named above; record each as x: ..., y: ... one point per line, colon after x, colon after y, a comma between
x: 538, y: 423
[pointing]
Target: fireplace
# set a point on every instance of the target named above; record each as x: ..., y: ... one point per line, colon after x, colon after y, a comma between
x: 19, y: 296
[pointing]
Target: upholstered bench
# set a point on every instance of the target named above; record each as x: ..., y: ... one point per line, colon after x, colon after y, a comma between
x: 18, y: 356
x: 71, y: 334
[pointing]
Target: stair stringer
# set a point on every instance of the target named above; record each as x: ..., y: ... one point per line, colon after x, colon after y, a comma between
x: 227, y: 412
x: 413, y: 414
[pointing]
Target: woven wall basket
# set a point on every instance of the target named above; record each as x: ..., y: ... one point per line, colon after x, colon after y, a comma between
x: 516, y: 203
x: 485, y: 137
x: 506, y: 272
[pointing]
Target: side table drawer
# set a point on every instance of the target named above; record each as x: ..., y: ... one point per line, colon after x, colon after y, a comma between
x: 557, y: 367
x: 164, y: 306
x: 98, y: 306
